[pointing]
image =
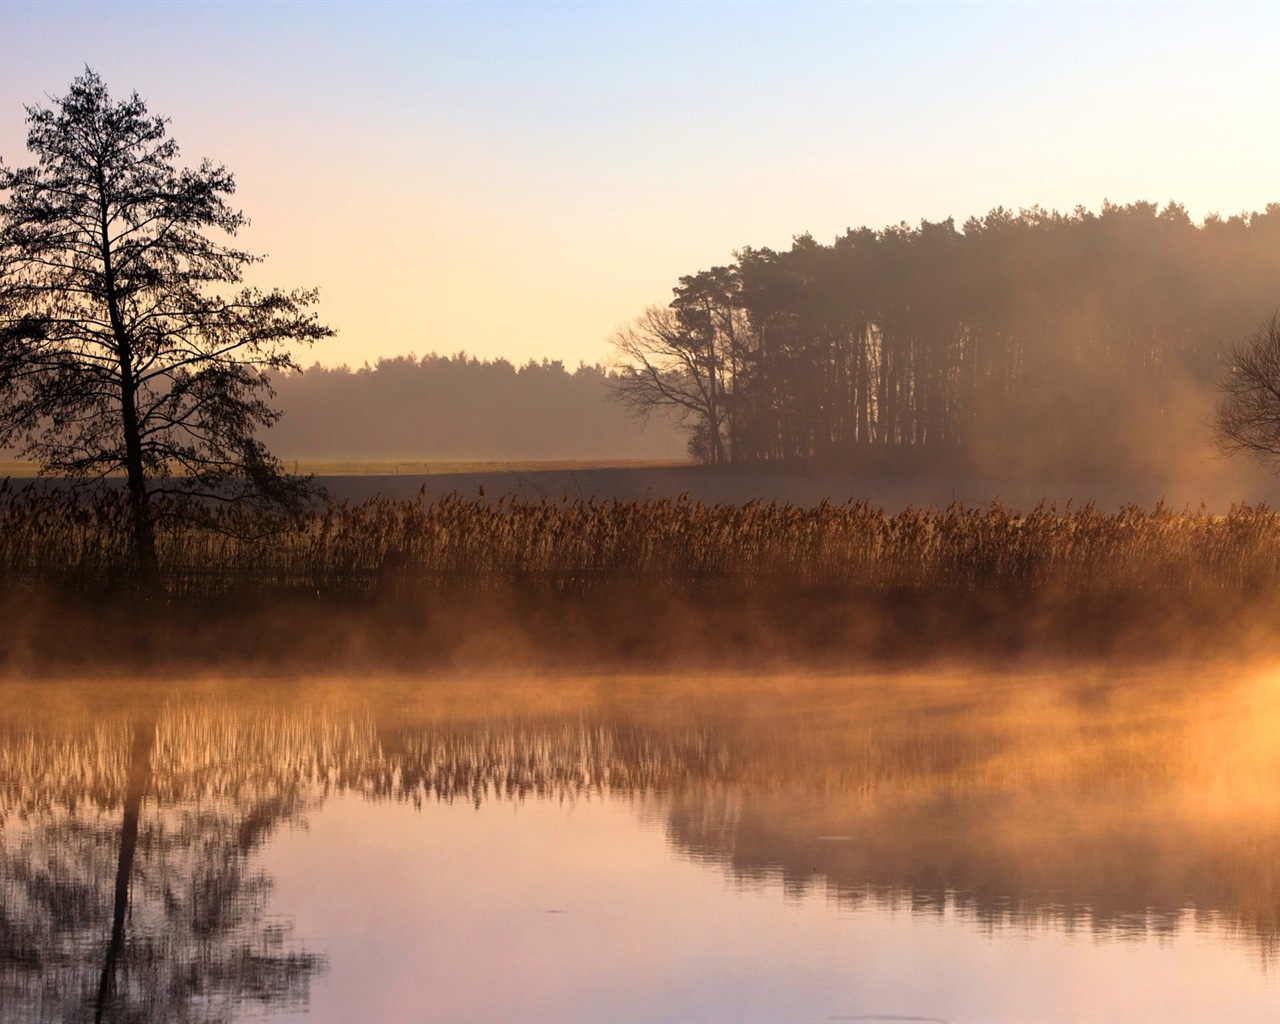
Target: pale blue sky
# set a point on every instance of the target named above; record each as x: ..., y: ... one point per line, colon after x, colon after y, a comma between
x: 520, y: 179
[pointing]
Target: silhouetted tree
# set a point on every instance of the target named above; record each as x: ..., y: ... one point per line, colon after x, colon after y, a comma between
x: 667, y: 363
x: 116, y: 355
x: 1248, y: 417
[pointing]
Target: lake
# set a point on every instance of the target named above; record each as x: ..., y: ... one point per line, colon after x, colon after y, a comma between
x: 1057, y: 844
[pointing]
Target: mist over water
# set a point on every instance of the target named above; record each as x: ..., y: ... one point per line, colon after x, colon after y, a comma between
x: 875, y: 635
x: 745, y: 844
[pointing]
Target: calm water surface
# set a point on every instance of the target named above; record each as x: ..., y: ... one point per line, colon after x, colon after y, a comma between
x: 1069, y: 846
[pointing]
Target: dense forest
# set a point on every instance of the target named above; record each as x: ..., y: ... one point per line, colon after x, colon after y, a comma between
x: 1084, y: 342
x: 456, y: 407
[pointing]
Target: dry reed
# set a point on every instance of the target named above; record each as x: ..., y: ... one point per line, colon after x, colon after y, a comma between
x: 379, y: 547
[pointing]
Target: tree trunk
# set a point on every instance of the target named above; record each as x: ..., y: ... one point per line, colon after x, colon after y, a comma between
x: 145, y: 562
x: 144, y: 540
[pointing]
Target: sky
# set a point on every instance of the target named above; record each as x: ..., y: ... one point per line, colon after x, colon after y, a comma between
x: 520, y: 180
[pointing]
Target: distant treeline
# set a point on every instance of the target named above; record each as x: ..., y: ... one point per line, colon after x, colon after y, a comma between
x: 1079, y: 341
x: 457, y: 407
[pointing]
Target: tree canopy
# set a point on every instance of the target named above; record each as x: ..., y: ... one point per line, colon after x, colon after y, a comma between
x: 117, y: 353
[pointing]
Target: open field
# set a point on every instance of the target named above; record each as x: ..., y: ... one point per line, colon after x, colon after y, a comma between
x: 1217, y: 484
x: 18, y: 470
x: 438, y: 467
x: 22, y: 470
x: 1214, y: 482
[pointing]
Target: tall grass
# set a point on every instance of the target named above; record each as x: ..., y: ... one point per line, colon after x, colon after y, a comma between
x: 55, y: 539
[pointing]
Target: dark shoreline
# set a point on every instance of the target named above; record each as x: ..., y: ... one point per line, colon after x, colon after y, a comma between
x: 809, y: 484
x: 880, y: 483
x: 626, y: 627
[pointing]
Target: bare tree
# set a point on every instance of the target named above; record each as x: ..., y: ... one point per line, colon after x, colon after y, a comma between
x: 116, y: 354
x: 664, y: 365
x: 1248, y: 417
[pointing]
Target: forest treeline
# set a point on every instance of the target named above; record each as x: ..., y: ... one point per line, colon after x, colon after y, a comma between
x: 460, y: 407
x: 1079, y: 342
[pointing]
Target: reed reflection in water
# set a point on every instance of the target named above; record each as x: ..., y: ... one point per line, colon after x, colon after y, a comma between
x: 142, y: 835
x: 126, y: 863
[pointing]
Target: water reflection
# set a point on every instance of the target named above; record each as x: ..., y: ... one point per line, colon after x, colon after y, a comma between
x: 129, y: 892
x: 1124, y: 807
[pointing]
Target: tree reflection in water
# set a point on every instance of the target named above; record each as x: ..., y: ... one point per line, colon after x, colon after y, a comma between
x: 127, y: 841
x: 129, y: 890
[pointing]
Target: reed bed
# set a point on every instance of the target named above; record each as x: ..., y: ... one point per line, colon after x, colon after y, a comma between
x: 385, y: 547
